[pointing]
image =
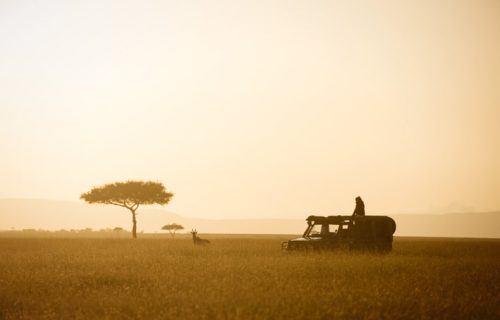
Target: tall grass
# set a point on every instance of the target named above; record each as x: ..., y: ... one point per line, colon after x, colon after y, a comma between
x: 246, y: 279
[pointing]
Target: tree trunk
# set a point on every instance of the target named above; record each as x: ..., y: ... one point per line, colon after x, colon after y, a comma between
x: 134, y: 225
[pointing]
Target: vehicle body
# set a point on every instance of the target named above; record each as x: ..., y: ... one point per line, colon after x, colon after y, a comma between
x: 347, y: 232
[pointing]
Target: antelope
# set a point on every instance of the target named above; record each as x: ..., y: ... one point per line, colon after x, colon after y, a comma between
x: 197, y: 240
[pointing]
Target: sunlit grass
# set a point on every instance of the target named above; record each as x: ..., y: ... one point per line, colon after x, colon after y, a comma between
x: 246, y: 279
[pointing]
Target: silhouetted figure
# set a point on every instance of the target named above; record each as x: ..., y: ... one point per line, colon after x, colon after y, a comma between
x: 360, y: 207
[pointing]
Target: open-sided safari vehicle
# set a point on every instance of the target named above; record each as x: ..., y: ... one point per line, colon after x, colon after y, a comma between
x: 348, y: 232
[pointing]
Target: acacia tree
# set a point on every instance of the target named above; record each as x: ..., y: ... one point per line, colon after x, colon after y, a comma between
x: 130, y: 195
x: 172, y: 228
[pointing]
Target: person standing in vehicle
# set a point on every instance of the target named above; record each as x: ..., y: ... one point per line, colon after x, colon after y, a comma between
x: 360, y: 207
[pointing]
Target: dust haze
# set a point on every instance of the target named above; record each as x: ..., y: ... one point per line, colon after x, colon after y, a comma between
x: 253, y: 110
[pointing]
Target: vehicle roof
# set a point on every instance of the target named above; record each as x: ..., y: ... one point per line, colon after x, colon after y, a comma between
x: 344, y: 219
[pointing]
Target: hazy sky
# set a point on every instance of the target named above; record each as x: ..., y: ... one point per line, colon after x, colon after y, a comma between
x: 255, y: 108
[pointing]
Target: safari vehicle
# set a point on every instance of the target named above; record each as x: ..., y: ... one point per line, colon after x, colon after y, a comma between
x: 347, y: 232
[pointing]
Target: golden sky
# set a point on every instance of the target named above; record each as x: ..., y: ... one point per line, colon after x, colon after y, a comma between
x: 255, y: 108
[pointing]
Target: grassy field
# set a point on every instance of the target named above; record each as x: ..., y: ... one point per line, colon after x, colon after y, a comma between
x: 245, y: 278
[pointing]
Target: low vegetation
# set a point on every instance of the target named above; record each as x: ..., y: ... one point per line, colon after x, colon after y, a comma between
x: 246, y: 278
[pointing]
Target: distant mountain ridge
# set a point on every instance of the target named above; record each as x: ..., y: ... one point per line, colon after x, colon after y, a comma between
x: 55, y: 215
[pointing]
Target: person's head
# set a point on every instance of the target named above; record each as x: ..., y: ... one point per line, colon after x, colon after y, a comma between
x: 358, y: 199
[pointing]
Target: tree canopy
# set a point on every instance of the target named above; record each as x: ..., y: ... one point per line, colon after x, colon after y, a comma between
x: 173, y: 226
x: 128, y: 194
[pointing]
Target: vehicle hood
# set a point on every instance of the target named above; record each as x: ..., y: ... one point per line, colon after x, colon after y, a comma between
x: 302, y: 239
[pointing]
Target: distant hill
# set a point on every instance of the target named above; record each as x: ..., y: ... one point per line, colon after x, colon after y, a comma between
x: 473, y: 225
x: 55, y: 215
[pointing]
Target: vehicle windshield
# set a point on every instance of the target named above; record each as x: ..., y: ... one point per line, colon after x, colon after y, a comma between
x: 323, y: 230
x: 315, y: 231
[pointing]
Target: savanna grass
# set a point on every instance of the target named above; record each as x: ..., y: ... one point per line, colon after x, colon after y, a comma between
x: 236, y: 278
